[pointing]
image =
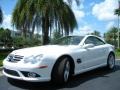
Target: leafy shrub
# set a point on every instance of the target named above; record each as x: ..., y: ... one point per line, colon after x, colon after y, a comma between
x: 56, y: 36
x: 118, y: 50
x: 20, y: 42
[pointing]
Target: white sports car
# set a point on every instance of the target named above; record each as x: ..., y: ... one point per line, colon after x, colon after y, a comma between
x: 70, y: 55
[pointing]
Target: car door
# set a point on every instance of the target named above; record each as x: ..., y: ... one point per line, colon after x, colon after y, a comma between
x: 101, y: 51
x: 93, y: 56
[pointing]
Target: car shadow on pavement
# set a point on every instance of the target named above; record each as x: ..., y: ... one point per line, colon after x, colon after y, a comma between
x: 74, y: 81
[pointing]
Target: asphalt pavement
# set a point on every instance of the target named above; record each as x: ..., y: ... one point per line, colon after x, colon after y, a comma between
x: 99, y: 79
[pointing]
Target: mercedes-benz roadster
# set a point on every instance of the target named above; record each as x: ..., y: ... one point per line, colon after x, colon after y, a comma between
x: 70, y: 55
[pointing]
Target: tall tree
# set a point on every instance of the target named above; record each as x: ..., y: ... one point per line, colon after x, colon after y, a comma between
x: 5, y: 36
x: 20, y: 17
x: 45, y: 14
x: 97, y: 33
x: 1, y: 16
x: 111, y: 36
x: 117, y: 12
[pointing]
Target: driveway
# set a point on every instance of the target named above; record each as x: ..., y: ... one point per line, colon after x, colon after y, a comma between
x: 99, y: 79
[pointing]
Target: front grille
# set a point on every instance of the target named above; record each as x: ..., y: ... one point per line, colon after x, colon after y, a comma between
x: 11, y: 72
x: 15, y: 58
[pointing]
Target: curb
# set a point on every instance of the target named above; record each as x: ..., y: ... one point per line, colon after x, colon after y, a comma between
x: 1, y: 68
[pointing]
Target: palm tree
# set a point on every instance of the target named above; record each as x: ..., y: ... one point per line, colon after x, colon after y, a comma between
x: 114, y: 31
x: 77, y: 2
x: 45, y: 14
x: 111, y: 36
x: 20, y: 17
x: 1, y: 16
x: 117, y: 12
x: 97, y: 33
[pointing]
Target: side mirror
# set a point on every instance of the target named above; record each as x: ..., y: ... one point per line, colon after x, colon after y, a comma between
x: 88, y: 46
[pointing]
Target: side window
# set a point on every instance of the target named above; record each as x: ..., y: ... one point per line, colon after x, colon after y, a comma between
x: 94, y: 40
x: 98, y: 41
x: 89, y: 40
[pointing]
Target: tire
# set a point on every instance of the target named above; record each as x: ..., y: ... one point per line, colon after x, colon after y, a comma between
x: 61, y: 72
x: 111, y: 61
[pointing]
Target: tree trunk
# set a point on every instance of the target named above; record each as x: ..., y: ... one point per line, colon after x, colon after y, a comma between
x: 45, y: 30
x: 32, y: 32
x: 24, y: 32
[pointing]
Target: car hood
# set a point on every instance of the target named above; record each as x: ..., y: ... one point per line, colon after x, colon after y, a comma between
x: 47, y: 49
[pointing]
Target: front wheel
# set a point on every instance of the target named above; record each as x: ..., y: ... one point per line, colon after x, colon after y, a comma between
x: 111, y: 61
x: 61, y: 72
x: 66, y: 71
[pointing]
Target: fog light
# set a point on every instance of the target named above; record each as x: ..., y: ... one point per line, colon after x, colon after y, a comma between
x: 32, y: 75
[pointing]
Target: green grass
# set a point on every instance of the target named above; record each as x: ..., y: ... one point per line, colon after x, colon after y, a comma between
x: 117, y: 53
x: 2, y: 57
x: 1, y: 63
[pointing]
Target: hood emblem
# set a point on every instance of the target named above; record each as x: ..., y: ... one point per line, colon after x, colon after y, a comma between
x: 11, y: 59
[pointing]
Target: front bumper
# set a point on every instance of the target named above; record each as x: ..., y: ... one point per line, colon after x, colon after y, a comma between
x: 30, y: 79
x: 42, y: 74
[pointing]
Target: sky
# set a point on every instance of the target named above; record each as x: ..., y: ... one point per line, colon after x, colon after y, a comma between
x: 91, y: 15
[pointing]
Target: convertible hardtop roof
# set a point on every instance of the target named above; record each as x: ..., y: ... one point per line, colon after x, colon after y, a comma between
x: 88, y: 36
x: 84, y: 35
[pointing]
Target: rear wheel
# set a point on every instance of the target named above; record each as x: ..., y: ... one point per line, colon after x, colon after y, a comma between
x: 111, y: 61
x: 61, y: 71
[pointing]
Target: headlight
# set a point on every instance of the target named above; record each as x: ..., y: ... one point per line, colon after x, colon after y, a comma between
x: 33, y: 59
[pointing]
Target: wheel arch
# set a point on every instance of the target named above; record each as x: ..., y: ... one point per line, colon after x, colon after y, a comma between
x: 111, y: 52
x: 108, y: 64
x: 72, y: 63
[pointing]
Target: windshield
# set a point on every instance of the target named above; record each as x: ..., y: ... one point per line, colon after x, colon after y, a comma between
x: 68, y: 40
